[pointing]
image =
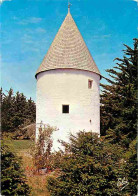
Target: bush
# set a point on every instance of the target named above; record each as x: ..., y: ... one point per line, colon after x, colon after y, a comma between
x: 41, y: 152
x: 13, y: 181
x: 90, y: 167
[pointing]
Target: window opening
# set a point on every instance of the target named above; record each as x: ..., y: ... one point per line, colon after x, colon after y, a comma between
x: 90, y: 84
x: 65, y: 109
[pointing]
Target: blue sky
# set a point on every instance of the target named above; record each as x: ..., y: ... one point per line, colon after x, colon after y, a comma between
x: 29, y: 27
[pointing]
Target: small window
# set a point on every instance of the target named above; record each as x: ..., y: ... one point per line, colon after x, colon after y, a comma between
x: 65, y: 109
x: 90, y: 83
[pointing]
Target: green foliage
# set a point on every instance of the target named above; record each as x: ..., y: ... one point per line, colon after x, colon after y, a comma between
x: 13, y: 181
x: 131, y: 168
x: 119, y: 110
x: 118, y: 98
x: 91, y: 167
x: 16, y: 111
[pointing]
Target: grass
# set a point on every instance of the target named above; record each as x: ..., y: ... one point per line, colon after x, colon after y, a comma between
x: 20, y: 145
x: 36, y: 181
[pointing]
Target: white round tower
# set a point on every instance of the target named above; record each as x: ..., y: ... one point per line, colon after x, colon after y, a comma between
x: 68, y: 85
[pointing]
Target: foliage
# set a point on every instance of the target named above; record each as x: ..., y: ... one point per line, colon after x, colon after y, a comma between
x: 119, y: 110
x: 13, y: 181
x: 42, y: 150
x: 91, y: 167
x: 25, y: 132
x: 16, y: 110
x: 56, y: 159
x: 118, y: 99
x: 131, y: 168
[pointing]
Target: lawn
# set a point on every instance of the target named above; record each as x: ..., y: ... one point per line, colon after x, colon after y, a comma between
x: 20, y: 145
x: 36, y: 181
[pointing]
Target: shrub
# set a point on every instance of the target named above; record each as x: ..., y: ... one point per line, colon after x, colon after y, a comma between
x: 90, y: 167
x: 42, y: 150
x: 13, y: 181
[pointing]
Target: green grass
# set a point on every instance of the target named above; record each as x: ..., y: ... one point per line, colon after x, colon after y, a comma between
x: 20, y: 145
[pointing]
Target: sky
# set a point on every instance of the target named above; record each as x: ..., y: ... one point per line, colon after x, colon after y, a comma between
x: 28, y: 28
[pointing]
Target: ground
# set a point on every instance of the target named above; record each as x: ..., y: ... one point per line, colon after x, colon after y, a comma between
x: 36, y: 181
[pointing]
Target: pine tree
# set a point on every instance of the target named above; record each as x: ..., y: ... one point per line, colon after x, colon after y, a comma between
x: 131, y: 168
x: 16, y: 111
x: 90, y: 167
x: 30, y: 110
x: 13, y: 181
x: 118, y: 99
x: 119, y: 111
x: 19, y: 108
x: 7, y: 110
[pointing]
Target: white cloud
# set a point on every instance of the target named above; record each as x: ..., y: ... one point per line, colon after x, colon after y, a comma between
x: 101, y: 36
x: 136, y: 0
x: 40, y: 30
x: 27, y: 39
x: 1, y: 1
x: 32, y: 20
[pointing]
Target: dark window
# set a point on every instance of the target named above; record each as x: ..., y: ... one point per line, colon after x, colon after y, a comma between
x: 89, y: 83
x: 65, y: 108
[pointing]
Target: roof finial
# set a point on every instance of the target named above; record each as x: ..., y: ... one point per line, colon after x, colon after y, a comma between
x: 69, y: 4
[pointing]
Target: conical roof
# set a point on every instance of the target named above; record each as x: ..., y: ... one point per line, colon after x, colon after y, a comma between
x: 68, y: 50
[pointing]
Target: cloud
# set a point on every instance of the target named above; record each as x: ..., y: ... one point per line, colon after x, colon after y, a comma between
x: 1, y: 1
x: 30, y: 43
x: 32, y: 20
x: 40, y: 30
x: 136, y: 0
x: 27, y: 39
x: 98, y: 37
x: 30, y: 34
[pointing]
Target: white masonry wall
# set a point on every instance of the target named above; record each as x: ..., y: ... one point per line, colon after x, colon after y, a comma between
x: 68, y: 87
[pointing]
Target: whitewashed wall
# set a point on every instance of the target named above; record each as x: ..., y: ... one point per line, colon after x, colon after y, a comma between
x: 68, y: 87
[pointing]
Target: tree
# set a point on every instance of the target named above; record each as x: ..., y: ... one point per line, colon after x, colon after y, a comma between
x: 91, y: 167
x: 131, y: 168
x: 118, y: 99
x: 13, y: 181
x: 7, y: 110
x: 20, y: 104
x: 119, y: 110
x: 16, y: 111
x: 31, y: 110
